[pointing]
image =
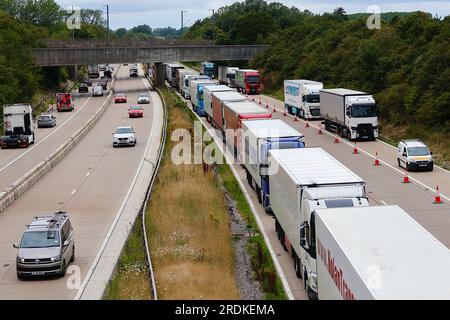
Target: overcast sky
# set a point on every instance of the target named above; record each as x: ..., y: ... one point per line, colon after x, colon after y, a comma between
x: 163, y: 13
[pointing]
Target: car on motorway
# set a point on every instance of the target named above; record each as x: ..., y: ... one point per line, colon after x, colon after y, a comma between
x: 124, y: 136
x: 83, y: 88
x: 46, y: 121
x: 47, y: 246
x: 135, y: 112
x: 103, y: 84
x: 88, y: 82
x: 120, y: 98
x: 125, y: 64
x: 101, y: 67
x: 104, y: 78
x: 414, y: 155
x: 143, y: 98
x: 97, y: 91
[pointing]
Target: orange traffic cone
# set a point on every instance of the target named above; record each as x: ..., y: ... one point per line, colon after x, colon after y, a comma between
x: 406, y: 178
x: 320, y: 129
x: 437, y: 198
x: 336, y: 140
x: 355, y: 149
x: 259, y: 102
x: 274, y: 110
x: 377, y: 161
x: 296, y: 118
x: 267, y: 106
x: 307, y: 124
x: 284, y: 113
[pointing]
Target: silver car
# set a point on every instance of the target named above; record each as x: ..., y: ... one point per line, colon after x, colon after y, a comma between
x: 143, y: 98
x: 46, y: 121
x: 124, y: 136
x: 47, y: 247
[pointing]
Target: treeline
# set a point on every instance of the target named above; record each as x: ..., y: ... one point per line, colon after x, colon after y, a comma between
x: 145, y: 32
x: 23, y: 25
x: 405, y: 64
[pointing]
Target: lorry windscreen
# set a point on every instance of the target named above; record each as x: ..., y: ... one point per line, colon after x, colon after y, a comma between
x: 252, y: 79
x: 364, y: 110
x: 313, y: 98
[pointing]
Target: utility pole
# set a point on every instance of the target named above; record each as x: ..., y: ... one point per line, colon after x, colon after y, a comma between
x: 107, y: 23
x: 182, y: 22
x: 213, y: 24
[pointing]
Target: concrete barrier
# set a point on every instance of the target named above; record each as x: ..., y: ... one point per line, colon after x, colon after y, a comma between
x: 21, y: 185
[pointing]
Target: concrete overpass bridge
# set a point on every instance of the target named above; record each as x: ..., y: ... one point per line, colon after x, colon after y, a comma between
x: 87, y: 52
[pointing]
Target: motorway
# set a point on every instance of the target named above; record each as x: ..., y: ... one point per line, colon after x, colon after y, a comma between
x: 90, y: 183
x: 384, y: 186
x: 16, y: 162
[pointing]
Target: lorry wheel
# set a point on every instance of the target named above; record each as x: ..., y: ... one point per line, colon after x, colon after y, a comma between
x: 398, y: 161
x: 258, y: 194
x: 283, y: 242
x: 297, y: 268
x: 72, y: 258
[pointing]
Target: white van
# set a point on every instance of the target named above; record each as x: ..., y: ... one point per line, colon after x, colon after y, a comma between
x: 414, y: 155
x: 97, y: 91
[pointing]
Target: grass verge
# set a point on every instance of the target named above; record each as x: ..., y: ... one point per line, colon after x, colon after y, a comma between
x: 188, y: 225
x: 130, y: 281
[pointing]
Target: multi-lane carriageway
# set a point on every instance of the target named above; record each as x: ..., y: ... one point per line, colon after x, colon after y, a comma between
x: 384, y: 186
x: 90, y: 183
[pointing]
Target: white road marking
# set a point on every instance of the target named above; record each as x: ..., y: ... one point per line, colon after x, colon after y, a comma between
x: 88, y: 174
x: 368, y: 154
x: 118, y: 215
x: 384, y: 202
x: 52, y: 133
x: 74, y: 191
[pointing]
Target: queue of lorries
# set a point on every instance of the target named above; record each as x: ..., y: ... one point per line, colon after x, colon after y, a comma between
x: 342, y: 247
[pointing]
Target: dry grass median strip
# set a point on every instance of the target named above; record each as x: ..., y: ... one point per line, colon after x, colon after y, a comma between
x: 188, y: 228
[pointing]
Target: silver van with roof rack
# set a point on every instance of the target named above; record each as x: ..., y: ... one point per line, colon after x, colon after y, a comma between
x: 47, y: 246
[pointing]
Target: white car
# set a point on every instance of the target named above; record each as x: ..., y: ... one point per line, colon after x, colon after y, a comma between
x: 97, y: 91
x: 414, y: 155
x: 143, y: 98
x: 124, y: 136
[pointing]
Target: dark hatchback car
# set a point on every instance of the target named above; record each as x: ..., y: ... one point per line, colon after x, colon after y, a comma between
x: 46, y: 121
x: 83, y: 88
x: 88, y: 82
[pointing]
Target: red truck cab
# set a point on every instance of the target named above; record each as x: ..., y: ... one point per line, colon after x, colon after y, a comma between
x: 64, y: 102
x: 248, y: 81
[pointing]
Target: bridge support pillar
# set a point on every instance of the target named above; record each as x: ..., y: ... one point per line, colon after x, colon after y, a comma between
x: 74, y: 73
x: 159, y: 74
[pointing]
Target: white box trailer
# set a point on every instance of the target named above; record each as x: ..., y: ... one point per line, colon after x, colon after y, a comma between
x: 301, y: 181
x: 378, y: 253
x: 171, y: 75
x: 352, y: 114
x: 18, y: 126
x: 191, y: 77
x: 207, y: 98
x: 302, y: 98
x: 180, y: 79
x: 226, y: 75
x: 258, y: 137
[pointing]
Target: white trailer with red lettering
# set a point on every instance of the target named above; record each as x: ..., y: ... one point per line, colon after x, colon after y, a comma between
x: 378, y: 253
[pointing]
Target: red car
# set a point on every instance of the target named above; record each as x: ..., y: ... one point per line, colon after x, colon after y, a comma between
x: 120, y: 98
x: 135, y: 112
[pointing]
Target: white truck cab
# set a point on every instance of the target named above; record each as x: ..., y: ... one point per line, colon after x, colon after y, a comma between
x: 414, y: 155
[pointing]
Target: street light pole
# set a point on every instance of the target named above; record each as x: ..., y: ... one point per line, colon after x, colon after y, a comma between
x: 182, y: 22
x: 213, y: 27
x: 107, y: 23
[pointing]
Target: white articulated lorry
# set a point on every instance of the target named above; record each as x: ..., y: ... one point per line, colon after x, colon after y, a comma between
x: 376, y: 253
x: 302, y: 98
x: 258, y: 137
x: 18, y: 126
x: 301, y: 181
x: 226, y: 75
x: 187, y: 82
x: 352, y: 114
x: 207, y: 98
